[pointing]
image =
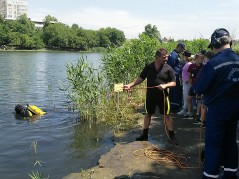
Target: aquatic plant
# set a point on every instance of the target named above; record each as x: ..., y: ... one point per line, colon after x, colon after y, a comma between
x: 94, y: 98
x: 36, y: 174
x: 87, y: 88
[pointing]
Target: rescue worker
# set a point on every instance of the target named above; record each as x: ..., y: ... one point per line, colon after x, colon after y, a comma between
x: 175, y: 94
x: 219, y: 82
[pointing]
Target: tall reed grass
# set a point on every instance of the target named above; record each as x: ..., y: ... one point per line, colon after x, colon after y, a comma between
x: 91, y: 90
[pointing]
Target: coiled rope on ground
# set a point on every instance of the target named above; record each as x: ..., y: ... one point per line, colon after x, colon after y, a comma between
x: 165, y: 157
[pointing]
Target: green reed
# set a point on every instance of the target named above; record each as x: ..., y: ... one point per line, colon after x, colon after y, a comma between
x: 92, y: 90
x: 87, y: 88
x: 36, y: 174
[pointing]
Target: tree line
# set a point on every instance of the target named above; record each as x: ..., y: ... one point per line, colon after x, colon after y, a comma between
x: 22, y: 34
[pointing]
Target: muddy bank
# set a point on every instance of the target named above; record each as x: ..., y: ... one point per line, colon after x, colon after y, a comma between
x: 127, y: 160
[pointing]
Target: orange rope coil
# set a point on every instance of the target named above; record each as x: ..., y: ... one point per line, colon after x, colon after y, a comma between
x: 165, y: 157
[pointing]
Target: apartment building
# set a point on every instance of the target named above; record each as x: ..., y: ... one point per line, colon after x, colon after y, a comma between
x: 11, y: 9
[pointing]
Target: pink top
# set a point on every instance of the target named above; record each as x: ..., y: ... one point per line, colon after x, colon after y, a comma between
x: 185, y: 71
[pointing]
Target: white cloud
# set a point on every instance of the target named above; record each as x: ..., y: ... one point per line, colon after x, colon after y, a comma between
x: 187, y: 25
x: 95, y: 18
x: 39, y: 14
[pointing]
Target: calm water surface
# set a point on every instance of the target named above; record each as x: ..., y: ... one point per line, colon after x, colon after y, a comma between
x: 63, y: 144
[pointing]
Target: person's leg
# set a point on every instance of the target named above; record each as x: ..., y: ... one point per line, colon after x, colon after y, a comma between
x: 164, y: 108
x: 184, y: 97
x: 169, y: 125
x: 169, y: 122
x: 194, y: 103
x: 147, y: 121
x: 186, y: 88
x: 198, y: 115
x: 214, y: 139
x: 203, y: 116
x: 179, y: 95
x: 144, y: 135
x: 175, y: 95
x: 150, y: 105
x: 189, y: 104
x: 230, y: 152
x: 203, y: 112
x: 198, y: 104
x: 172, y: 94
x: 230, y: 155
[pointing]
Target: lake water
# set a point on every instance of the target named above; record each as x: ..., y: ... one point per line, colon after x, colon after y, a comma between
x: 64, y: 145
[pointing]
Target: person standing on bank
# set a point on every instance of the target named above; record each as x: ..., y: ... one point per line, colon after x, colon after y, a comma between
x: 219, y: 82
x: 175, y: 94
x: 185, y: 79
x: 160, y: 77
x: 194, y: 71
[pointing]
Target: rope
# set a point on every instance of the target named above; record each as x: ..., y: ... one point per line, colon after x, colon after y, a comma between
x: 164, y: 157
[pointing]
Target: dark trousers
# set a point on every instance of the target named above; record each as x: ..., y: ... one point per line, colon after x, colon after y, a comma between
x: 176, y: 95
x: 220, y: 139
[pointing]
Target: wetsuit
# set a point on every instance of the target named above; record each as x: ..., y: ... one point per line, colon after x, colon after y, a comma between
x: 154, y: 96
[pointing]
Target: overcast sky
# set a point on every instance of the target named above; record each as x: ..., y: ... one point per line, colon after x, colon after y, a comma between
x: 180, y: 19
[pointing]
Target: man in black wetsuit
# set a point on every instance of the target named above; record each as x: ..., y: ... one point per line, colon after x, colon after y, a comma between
x: 160, y: 77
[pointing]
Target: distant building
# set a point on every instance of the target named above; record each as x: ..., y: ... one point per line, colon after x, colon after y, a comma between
x: 38, y: 24
x: 167, y: 39
x: 11, y: 9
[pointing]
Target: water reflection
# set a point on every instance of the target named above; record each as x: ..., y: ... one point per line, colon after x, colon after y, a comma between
x: 88, y: 135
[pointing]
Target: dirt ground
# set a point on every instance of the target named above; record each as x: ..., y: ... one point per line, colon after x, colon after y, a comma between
x: 128, y: 160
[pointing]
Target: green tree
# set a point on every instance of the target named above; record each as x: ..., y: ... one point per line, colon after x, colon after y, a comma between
x: 104, y: 39
x: 1, y: 19
x: 31, y: 42
x: 117, y: 37
x: 24, y: 25
x: 26, y: 41
x: 124, y: 64
x: 60, y: 36
x: 21, y: 33
x: 111, y: 37
x: 88, y: 37
x: 75, y: 27
x: 38, y: 38
x: 49, y: 20
x: 151, y: 31
x: 4, y: 37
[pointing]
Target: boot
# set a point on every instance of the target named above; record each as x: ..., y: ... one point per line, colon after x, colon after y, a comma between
x: 173, y: 138
x: 144, y: 136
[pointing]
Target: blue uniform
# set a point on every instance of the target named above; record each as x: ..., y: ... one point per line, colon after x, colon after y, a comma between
x: 219, y: 82
x: 175, y: 94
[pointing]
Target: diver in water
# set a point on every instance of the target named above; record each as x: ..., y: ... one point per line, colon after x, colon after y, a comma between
x: 28, y: 110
